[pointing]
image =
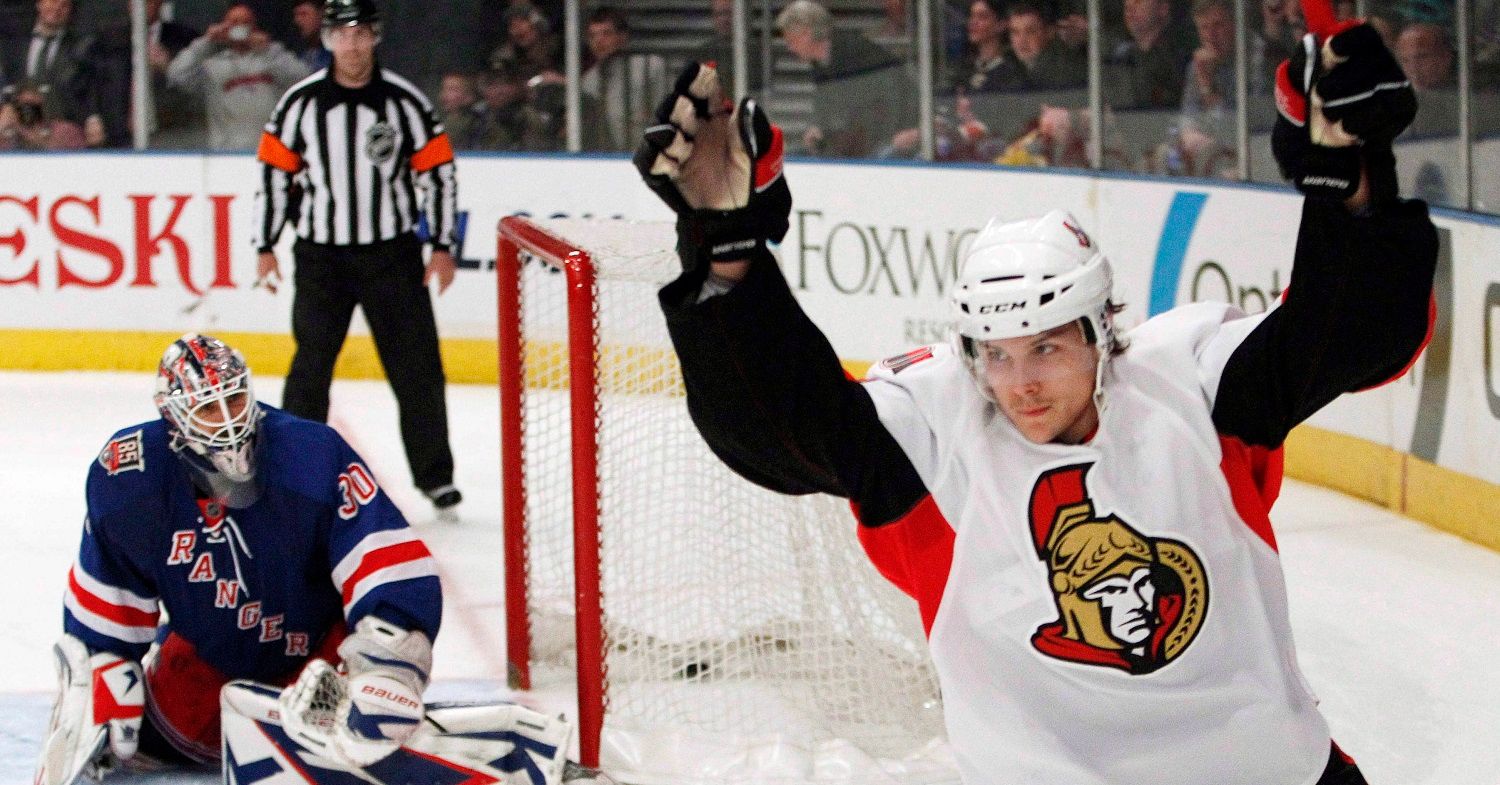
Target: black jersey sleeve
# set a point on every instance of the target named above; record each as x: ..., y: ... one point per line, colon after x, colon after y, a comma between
x: 1356, y: 314
x: 770, y: 397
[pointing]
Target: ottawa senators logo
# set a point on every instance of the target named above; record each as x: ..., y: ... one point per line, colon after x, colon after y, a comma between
x: 1124, y: 600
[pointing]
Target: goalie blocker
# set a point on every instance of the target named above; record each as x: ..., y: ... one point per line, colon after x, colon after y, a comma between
x: 469, y: 743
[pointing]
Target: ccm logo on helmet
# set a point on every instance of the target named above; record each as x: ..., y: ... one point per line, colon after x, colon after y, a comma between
x: 1002, y: 307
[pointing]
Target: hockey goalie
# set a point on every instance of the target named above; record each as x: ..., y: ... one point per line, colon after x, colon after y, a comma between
x: 245, y: 594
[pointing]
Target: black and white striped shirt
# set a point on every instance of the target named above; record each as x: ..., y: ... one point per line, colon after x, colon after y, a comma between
x: 357, y: 156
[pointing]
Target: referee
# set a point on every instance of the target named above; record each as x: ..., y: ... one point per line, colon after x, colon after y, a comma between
x: 344, y: 155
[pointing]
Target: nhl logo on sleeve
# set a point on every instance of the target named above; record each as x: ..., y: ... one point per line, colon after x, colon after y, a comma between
x: 901, y: 362
x: 123, y: 454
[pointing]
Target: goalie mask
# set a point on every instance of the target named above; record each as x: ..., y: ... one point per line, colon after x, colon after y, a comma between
x: 1026, y: 277
x: 203, y: 392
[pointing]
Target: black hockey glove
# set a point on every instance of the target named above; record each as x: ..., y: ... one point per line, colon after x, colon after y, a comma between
x: 1339, y: 105
x: 719, y: 168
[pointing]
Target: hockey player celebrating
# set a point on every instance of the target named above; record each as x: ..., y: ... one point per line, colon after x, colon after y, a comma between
x: 246, y: 544
x: 1081, y: 515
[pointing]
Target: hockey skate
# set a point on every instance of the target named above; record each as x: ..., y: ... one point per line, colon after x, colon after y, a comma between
x: 445, y: 499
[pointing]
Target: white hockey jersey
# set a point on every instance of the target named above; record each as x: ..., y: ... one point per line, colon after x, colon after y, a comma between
x: 1180, y: 670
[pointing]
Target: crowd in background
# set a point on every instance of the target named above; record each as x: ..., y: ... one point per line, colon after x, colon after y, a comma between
x: 1010, y: 86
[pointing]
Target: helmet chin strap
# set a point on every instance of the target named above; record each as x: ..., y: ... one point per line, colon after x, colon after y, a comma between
x: 1099, y: 381
x: 1106, y: 346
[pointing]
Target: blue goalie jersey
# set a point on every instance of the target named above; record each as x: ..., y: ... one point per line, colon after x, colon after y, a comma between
x: 254, y: 590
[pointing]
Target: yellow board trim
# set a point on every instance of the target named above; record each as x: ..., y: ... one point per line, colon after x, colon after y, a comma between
x: 1452, y: 501
x: 1446, y: 499
x: 466, y: 361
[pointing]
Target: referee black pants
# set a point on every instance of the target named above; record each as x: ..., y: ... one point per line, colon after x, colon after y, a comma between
x: 385, y: 280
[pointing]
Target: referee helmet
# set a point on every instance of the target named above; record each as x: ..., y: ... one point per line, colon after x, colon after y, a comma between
x: 346, y: 13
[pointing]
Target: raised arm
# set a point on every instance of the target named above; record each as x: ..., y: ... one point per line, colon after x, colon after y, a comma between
x: 764, y: 386
x: 1359, y: 305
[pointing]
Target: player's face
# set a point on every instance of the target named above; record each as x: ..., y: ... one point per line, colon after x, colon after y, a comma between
x: 1044, y: 383
x: 213, y: 416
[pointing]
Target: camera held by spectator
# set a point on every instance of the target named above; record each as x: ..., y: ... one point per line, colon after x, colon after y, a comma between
x: 25, y: 123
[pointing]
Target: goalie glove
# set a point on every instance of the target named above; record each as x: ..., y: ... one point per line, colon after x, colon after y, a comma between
x: 1340, y: 102
x: 366, y: 713
x: 718, y: 166
x: 96, y: 721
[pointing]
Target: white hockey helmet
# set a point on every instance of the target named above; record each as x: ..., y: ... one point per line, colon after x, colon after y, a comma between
x: 1029, y: 276
x: 197, y: 383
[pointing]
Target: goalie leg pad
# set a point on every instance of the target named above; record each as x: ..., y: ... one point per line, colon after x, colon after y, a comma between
x: 474, y: 744
x: 96, y: 721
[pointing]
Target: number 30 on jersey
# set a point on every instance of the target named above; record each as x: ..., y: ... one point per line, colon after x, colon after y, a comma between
x: 357, y: 488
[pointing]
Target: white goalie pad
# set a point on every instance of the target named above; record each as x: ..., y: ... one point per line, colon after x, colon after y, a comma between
x: 96, y: 720
x: 455, y: 743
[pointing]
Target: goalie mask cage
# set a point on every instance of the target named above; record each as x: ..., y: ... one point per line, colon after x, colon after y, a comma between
x: 717, y: 632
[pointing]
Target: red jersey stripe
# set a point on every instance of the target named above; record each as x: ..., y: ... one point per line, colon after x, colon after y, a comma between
x: 381, y: 558
x: 120, y: 614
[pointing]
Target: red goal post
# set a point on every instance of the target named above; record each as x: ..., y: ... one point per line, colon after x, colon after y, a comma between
x: 707, y: 623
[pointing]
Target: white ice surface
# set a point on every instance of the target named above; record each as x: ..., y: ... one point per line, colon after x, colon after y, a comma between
x: 1397, y: 624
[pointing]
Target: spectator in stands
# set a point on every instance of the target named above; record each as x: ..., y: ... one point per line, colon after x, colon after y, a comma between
x: 24, y: 124
x: 1486, y: 47
x: 307, y: 19
x: 1144, y: 68
x: 625, y: 84
x: 1426, y: 56
x: 894, y: 24
x: 956, y: 131
x: 1073, y: 27
x: 68, y: 62
x: 240, y: 73
x: 985, y: 56
x: 1208, y: 84
x: 530, y: 49
x: 720, y: 48
x: 503, y: 120
x: 459, y: 109
x: 861, y: 93
x: 1038, y: 59
x: 1202, y: 142
x: 177, y: 116
x: 553, y: 10
x: 164, y: 39
x: 1281, y: 31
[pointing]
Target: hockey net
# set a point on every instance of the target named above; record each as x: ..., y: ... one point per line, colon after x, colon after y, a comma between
x: 717, y: 632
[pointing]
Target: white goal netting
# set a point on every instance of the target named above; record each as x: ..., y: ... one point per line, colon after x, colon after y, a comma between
x: 746, y: 636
